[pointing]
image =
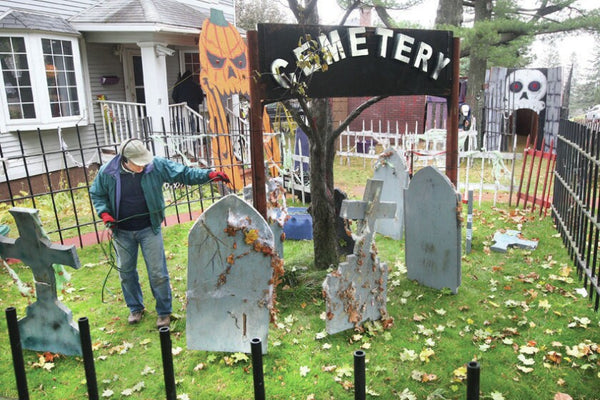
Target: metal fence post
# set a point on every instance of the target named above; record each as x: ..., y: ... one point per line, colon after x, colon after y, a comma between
x: 17, y: 352
x: 359, y: 375
x: 88, y: 358
x: 167, y: 359
x: 473, y: 380
x: 257, y: 369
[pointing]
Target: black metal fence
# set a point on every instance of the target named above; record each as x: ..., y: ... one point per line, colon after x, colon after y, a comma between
x: 62, y: 196
x: 473, y: 367
x: 576, y: 199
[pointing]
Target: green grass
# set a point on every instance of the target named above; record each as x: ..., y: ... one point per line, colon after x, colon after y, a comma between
x: 506, y: 301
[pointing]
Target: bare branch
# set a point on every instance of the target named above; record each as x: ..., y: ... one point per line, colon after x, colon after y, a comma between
x: 352, y: 116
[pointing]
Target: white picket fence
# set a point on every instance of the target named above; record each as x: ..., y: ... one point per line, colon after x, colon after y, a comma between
x: 427, y: 148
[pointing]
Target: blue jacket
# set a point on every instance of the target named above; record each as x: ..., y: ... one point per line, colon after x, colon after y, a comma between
x: 106, y: 188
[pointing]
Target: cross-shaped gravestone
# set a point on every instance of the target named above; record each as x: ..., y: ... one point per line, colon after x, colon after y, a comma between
x: 511, y: 238
x: 48, y: 324
x: 232, y: 270
x: 357, y: 290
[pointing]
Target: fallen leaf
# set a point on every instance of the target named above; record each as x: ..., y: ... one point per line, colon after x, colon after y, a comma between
x: 562, y: 396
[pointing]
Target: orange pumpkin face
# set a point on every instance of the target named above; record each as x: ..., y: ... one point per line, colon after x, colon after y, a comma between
x: 223, y: 60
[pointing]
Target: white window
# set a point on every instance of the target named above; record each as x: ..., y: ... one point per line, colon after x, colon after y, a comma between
x: 41, y: 82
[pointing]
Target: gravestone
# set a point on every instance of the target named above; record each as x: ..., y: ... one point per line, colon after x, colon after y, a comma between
x: 510, y: 238
x: 357, y: 290
x: 392, y: 170
x: 301, y: 148
x: 342, y: 229
x: 432, y: 230
x: 232, y: 270
x: 48, y: 324
x: 277, y: 211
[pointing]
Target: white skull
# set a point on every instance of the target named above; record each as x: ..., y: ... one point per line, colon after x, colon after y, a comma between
x: 525, y: 88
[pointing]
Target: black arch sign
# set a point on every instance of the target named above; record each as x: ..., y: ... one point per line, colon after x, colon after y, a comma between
x: 364, y: 61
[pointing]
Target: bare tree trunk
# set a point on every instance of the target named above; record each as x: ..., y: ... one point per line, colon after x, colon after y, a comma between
x: 322, y: 154
x: 449, y: 12
x: 477, y: 68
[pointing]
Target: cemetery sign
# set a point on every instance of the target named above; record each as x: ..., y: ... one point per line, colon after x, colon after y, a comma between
x: 360, y: 61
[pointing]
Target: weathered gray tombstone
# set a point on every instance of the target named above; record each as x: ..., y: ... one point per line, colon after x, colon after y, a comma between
x: 277, y: 212
x: 48, y: 324
x: 392, y: 170
x: 232, y: 266
x: 433, y: 230
x: 357, y: 291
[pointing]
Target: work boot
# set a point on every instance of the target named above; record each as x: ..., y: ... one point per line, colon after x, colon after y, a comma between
x: 163, y: 320
x: 135, y: 317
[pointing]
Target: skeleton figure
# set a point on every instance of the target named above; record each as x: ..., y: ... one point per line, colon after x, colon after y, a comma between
x: 526, y: 88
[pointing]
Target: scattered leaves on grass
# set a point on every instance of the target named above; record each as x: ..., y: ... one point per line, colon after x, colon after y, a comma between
x: 562, y: 396
x: 406, y: 394
x: 43, y: 363
x: 147, y: 371
x: 199, y: 367
x: 304, y: 370
x: 138, y: 387
x: 107, y: 393
x: 459, y: 374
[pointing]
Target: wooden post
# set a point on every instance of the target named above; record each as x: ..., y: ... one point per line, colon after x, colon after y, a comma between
x: 257, y: 156
x: 452, y: 124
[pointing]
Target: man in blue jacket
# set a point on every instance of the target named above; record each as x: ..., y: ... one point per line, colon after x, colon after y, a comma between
x: 127, y: 194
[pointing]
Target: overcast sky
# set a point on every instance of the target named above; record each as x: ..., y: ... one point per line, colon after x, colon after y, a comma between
x: 580, y: 44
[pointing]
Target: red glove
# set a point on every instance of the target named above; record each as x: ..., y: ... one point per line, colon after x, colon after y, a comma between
x: 218, y: 176
x: 108, y: 219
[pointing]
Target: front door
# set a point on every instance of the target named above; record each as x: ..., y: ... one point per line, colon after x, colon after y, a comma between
x: 134, y: 76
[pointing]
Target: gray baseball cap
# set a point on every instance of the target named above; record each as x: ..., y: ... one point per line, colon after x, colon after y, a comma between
x: 135, y: 151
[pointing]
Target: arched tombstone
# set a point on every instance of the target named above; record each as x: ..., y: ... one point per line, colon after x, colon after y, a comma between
x: 433, y: 230
x: 232, y: 269
x: 392, y: 170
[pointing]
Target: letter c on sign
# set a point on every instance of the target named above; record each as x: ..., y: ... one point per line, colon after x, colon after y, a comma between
x: 279, y: 77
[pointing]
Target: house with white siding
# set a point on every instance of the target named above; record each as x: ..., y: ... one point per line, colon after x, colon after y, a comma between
x: 59, y: 57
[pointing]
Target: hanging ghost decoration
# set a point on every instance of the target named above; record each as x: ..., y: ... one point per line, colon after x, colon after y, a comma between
x: 526, y: 89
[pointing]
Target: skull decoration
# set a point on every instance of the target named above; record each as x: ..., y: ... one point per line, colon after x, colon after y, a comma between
x: 526, y: 88
x: 223, y: 57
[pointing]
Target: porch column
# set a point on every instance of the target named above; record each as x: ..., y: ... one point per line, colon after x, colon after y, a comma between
x: 156, y: 88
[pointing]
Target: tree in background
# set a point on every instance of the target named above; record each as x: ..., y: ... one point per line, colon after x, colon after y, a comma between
x: 586, y: 92
x: 251, y: 12
x: 502, y: 31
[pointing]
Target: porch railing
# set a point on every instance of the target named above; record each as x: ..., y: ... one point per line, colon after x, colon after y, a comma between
x: 121, y: 120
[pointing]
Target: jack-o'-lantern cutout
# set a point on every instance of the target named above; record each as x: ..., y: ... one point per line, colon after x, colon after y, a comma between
x: 223, y: 59
x: 223, y: 72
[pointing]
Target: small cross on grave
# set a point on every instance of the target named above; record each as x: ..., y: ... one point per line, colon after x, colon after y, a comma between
x: 511, y: 238
x: 48, y: 325
x: 357, y: 290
